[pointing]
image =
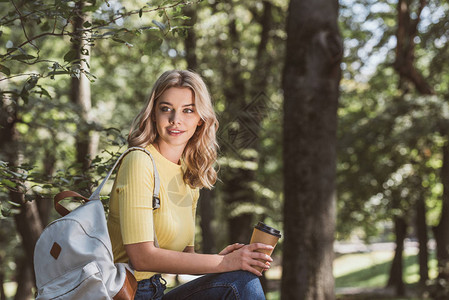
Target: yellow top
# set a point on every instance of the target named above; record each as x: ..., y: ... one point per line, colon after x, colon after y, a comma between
x: 130, y: 217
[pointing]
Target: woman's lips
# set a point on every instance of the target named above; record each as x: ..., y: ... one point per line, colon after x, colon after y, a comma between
x: 175, y: 132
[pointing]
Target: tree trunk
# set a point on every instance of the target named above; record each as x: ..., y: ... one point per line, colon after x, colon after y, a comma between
x: 421, y: 229
x: 2, y: 281
x: 25, y: 279
x: 27, y: 221
x: 311, y: 89
x: 248, y: 121
x: 45, y: 205
x: 441, y: 231
x: 396, y: 271
x: 206, y: 206
x: 237, y: 190
x: 190, y: 40
x: 87, y: 140
x: 405, y: 46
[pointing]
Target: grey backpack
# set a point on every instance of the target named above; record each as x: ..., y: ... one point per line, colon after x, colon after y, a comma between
x: 73, y: 256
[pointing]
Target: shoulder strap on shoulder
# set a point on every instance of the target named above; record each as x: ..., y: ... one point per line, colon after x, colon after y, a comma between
x: 156, y: 200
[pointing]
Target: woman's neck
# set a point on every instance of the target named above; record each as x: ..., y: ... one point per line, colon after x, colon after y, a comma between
x: 171, y: 153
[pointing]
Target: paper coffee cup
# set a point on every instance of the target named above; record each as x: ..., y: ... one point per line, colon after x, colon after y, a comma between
x: 265, y: 234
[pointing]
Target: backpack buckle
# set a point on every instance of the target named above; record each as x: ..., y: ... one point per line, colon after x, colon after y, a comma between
x: 156, y: 202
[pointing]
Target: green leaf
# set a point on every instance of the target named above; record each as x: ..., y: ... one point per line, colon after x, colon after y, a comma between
x: 8, y: 183
x: 14, y: 204
x: 182, y: 17
x: 70, y: 56
x: 43, y: 92
x: 154, y: 44
x: 24, y: 95
x: 89, y: 8
x: 30, y: 83
x: 116, y: 39
x: 140, y: 13
x: 87, y: 24
x: 22, y: 57
x: 5, y: 70
x: 160, y: 25
x: 45, y: 26
x: 53, y: 73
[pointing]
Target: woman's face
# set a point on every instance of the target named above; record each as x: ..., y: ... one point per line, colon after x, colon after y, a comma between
x: 176, y: 117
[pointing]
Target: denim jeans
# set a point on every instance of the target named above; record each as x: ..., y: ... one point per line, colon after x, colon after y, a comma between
x: 152, y: 288
x: 237, y: 285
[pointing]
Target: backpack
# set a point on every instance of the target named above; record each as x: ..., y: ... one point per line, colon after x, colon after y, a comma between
x: 73, y: 256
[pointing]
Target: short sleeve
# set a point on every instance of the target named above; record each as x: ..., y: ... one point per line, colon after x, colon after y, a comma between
x: 135, y: 184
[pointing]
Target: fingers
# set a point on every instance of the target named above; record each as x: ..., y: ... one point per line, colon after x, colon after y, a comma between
x: 258, y: 267
x: 244, y: 257
x: 258, y: 262
x: 260, y: 246
x: 261, y: 256
x: 231, y: 248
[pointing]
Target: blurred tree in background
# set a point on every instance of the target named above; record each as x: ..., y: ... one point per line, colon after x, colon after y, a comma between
x: 392, y: 126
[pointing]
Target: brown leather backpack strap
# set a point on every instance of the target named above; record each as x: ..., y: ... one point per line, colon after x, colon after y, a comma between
x: 61, y: 196
x: 129, y: 288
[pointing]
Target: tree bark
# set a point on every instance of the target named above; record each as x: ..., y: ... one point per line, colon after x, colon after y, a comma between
x: 206, y: 206
x: 396, y: 271
x: 25, y: 280
x: 86, y: 140
x: 190, y: 40
x: 27, y: 221
x: 441, y: 231
x: 405, y: 47
x: 249, y: 116
x: 311, y: 89
x: 421, y: 229
x: 2, y: 281
x: 236, y: 186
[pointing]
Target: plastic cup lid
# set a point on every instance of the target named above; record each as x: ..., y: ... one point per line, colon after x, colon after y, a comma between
x: 270, y: 230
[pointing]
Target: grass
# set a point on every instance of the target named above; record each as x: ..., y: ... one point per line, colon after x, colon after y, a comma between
x: 364, y: 273
x: 358, y: 271
x: 371, y: 270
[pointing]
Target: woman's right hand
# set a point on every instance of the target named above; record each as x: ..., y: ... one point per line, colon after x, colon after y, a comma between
x: 245, y: 257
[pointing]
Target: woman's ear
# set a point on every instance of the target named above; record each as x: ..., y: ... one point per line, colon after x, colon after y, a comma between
x: 200, y: 122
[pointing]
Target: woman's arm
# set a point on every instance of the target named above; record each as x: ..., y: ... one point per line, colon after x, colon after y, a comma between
x: 189, y: 249
x: 146, y: 257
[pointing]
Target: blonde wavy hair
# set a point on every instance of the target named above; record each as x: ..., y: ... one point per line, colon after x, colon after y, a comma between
x: 200, y: 153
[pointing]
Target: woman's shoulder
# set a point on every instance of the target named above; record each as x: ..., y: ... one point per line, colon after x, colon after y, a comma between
x: 137, y: 159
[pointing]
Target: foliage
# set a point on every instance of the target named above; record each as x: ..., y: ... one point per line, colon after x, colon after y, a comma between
x: 390, y: 138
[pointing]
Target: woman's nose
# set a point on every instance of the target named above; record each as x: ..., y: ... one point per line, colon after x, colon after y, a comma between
x: 175, y: 118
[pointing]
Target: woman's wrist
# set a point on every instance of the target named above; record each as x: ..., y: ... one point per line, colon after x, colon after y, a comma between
x: 222, y: 263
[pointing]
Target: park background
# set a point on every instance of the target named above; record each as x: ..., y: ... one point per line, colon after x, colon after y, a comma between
x: 333, y: 128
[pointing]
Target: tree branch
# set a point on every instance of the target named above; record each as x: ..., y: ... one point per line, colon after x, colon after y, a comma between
x: 64, y: 33
x: 22, y: 21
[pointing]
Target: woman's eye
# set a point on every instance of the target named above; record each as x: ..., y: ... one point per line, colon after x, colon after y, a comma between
x: 165, y: 108
x: 189, y: 110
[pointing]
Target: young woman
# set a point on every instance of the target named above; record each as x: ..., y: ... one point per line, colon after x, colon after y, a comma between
x: 178, y: 127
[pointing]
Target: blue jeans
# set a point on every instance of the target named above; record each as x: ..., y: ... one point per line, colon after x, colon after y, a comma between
x: 237, y: 285
x: 152, y: 288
